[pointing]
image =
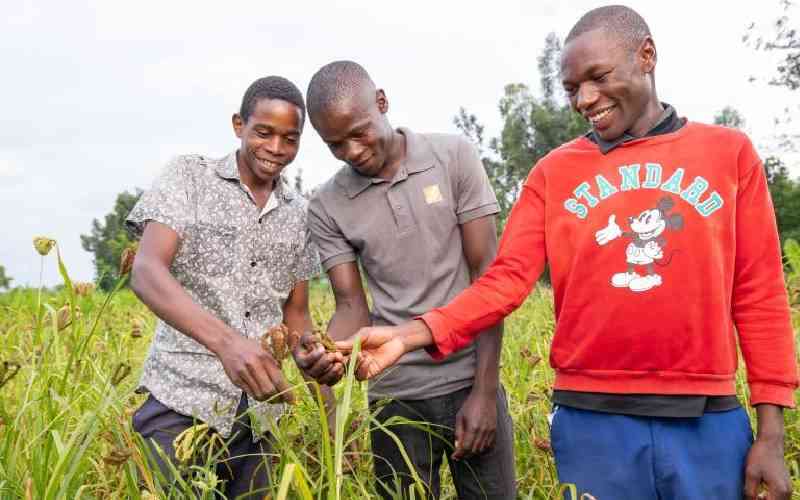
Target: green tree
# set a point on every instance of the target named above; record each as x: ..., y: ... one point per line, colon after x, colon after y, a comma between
x: 5, y: 280
x: 729, y: 117
x: 785, y: 193
x: 109, y: 238
x: 532, y: 127
x: 785, y: 39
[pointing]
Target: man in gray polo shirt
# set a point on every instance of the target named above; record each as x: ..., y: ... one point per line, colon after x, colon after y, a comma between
x: 417, y: 212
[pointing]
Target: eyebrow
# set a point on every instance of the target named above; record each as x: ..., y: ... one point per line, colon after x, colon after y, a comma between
x: 359, y: 127
x: 588, y: 71
x: 264, y: 127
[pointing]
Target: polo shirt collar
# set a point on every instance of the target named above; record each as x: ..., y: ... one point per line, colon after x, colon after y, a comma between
x: 228, y: 169
x: 668, y: 122
x: 419, y: 157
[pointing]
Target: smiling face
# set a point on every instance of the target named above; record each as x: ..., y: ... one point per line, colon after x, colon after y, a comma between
x: 357, y: 132
x: 610, y: 84
x: 648, y: 224
x: 270, y: 139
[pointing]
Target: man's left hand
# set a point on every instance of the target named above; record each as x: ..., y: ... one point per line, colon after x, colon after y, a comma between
x: 316, y: 363
x: 476, y: 424
x: 765, y: 465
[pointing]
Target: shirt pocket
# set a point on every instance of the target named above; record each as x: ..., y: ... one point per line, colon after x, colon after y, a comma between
x: 212, y: 249
x: 279, y: 261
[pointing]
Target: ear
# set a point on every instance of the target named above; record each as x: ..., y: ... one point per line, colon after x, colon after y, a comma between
x: 238, y: 124
x: 647, y: 55
x: 676, y: 222
x: 381, y: 101
x: 665, y: 204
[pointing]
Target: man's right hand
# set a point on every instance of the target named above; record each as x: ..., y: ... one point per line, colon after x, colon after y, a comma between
x: 383, y: 346
x: 253, y: 370
x: 316, y: 363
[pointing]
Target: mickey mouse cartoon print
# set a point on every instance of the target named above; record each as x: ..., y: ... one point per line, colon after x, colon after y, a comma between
x: 646, y: 246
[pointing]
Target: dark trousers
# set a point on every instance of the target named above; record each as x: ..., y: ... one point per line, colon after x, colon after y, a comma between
x: 489, y: 475
x: 245, y: 466
x: 623, y: 457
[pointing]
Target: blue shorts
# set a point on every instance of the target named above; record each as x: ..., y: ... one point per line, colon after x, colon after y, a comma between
x: 620, y: 457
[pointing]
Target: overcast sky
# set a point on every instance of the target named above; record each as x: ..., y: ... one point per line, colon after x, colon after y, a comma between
x: 97, y: 96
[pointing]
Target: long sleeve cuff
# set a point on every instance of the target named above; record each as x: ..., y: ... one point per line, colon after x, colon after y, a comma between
x: 781, y: 395
x: 442, y: 344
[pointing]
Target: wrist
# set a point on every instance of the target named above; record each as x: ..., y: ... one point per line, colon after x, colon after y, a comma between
x: 770, y: 423
x: 218, y: 342
x: 415, y: 335
x: 485, y: 386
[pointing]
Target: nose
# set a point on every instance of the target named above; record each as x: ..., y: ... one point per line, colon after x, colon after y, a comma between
x: 586, y: 97
x: 353, y: 152
x: 279, y: 146
x: 274, y: 145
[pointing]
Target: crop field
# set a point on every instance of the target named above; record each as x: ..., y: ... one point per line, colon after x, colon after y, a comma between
x: 71, y: 359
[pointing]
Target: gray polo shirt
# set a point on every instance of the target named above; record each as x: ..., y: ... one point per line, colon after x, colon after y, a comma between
x: 405, y: 233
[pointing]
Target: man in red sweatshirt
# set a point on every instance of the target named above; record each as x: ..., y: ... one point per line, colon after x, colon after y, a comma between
x: 663, y: 250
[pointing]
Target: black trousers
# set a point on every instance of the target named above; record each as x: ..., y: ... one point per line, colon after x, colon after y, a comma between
x: 245, y: 466
x: 489, y: 475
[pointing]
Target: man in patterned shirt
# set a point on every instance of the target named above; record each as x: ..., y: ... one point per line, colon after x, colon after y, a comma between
x: 223, y: 257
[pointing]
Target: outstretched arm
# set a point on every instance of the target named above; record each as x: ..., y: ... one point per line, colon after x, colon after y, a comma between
x: 500, y: 290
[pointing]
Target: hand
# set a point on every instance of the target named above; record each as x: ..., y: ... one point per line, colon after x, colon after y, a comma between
x: 610, y: 232
x: 317, y: 363
x: 653, y: 250
x: 476, y: 423
x: 252, y: 369
x: 381, y: 347
x: 765, y: 464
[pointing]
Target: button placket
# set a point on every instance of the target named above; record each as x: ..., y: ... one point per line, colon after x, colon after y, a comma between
x: 255, y: 236
x: 400, y: 210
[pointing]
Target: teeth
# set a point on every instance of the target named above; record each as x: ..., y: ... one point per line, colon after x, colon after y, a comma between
x: 599, y: 116
x: 269, y: 164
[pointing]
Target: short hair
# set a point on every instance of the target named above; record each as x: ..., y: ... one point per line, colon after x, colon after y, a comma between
x: 620, y: 21
x: 335, y: 83
x: 271, y: 87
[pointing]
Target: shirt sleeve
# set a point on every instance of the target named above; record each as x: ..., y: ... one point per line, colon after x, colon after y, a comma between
x: 505, y: 284
x: 329, y: 240
x: 474, y: 195
x: 760, y: 303
x: 168, y: 201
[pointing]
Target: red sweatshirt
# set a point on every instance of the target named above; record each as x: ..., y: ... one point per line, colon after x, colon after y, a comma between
x: 659, y: 252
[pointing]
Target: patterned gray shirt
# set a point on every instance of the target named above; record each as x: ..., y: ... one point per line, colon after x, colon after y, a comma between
x: 235, y: 261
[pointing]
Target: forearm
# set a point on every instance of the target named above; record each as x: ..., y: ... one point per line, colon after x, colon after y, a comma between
x: 488, y: 347
x: 501, y: 288
x: 162, y: 293
x: 770, y: 424
x: 298, y: 320
x: 350, y: 315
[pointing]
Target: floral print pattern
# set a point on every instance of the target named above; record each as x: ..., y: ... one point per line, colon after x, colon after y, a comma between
x: 235, y: 261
